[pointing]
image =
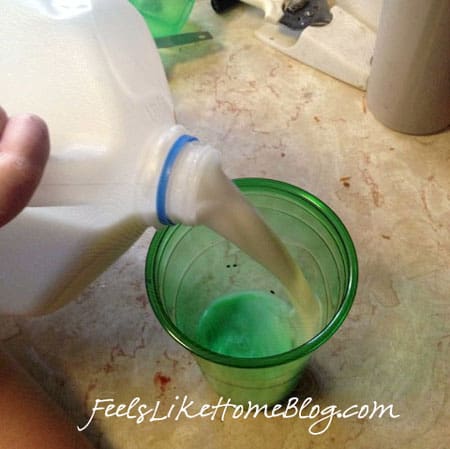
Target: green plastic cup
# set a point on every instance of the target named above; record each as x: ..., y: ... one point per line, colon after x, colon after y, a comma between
x: 164, y: 17
x: 189, y: 268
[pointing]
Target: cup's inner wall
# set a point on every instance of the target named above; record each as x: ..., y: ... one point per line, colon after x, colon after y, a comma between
x: 196, y: 265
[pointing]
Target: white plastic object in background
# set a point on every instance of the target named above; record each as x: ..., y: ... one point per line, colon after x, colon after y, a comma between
x: 91, y: 70
x: 273, y: 9
x: 343, y: 48
x: 366, y: 11
x: 409, y: 85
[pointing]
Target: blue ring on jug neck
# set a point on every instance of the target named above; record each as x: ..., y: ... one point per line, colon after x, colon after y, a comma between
x: 161, y: 191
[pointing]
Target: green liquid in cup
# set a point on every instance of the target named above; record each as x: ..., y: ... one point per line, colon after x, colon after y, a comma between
x: 247, y: 324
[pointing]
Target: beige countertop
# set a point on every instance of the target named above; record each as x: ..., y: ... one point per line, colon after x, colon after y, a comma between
x: 273, y: 117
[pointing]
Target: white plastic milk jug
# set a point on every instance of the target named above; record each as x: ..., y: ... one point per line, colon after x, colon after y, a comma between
x: 118, y: 163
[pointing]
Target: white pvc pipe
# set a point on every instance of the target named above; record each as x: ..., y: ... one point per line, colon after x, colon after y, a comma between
x: 409, y: 82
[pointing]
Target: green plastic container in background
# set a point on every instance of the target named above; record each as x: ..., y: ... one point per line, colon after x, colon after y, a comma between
x: 164, y: 17
x: 188, y: 268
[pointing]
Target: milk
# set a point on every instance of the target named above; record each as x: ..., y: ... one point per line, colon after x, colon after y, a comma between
x: 119, y: 163
x: 91, y: 70
x: 225, y: 210
x: 49, y: 255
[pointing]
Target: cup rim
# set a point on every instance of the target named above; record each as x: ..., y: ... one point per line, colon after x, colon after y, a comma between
x: 161, y: 236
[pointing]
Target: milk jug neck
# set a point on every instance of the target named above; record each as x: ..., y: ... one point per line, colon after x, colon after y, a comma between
x: 187, y: 162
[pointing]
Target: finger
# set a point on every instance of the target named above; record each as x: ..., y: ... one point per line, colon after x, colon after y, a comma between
x: 24, y: 150
x: 3, y: 119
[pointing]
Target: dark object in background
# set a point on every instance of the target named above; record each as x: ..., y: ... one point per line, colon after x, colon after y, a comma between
x: 222, y: 5
x: 299, y: 15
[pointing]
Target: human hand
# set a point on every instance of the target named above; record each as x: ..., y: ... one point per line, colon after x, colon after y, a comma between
x: 24, y: 150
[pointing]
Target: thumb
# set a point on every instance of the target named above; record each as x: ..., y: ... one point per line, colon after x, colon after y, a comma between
x: 24, y: 150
